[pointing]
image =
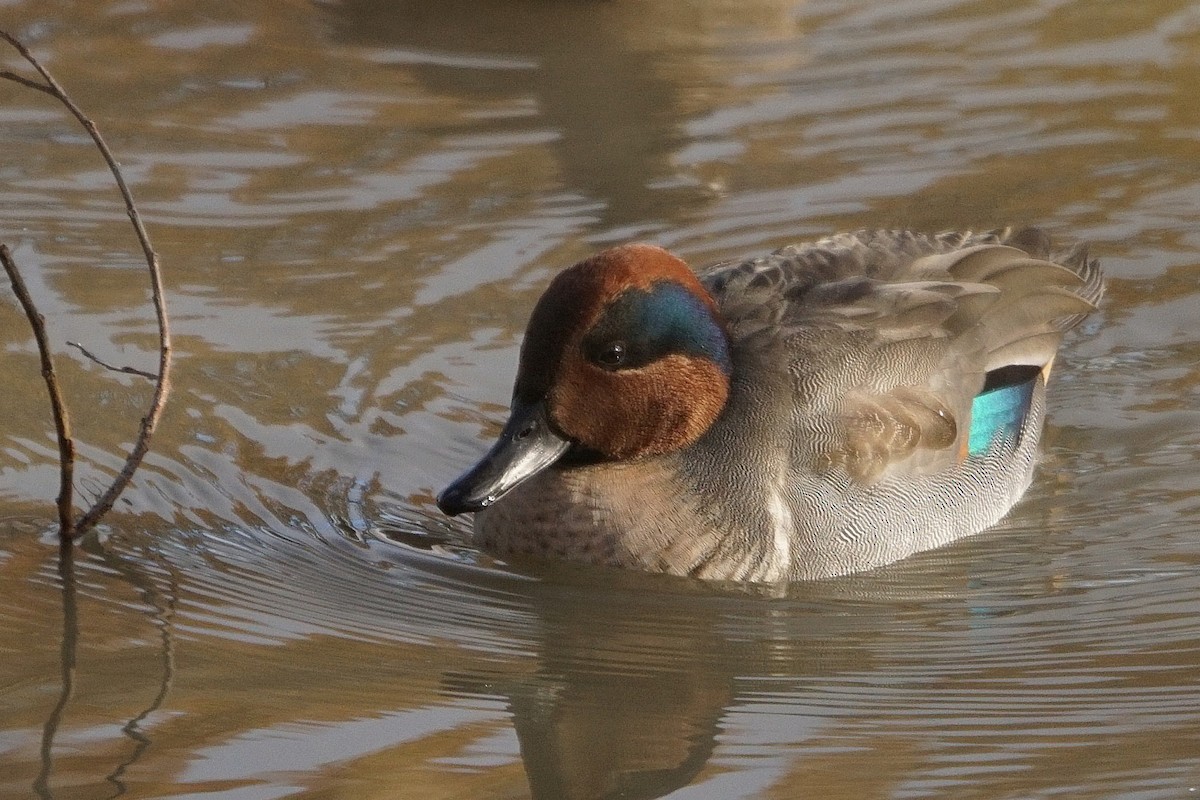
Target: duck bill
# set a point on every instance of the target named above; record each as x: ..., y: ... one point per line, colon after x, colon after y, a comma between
x: 527, y: 445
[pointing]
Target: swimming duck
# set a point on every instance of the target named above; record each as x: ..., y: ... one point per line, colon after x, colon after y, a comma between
x: 826, y: 409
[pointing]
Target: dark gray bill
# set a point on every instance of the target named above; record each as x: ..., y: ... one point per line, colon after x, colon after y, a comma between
x: 526, y: 446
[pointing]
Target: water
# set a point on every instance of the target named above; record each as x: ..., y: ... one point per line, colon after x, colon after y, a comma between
x: 356, y: 205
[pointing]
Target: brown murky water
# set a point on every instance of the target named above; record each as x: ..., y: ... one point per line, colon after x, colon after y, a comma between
x: 356, y: 204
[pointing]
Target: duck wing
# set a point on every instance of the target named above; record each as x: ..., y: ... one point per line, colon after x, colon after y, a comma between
x: 889, y: 340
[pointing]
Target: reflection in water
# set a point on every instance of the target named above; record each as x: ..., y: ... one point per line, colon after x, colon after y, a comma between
x: 163, y: 603
x: 591, y: 724
x: 630, y: 686
x: 68, y: 655
x: 357, y: 204
x: 70, y: 640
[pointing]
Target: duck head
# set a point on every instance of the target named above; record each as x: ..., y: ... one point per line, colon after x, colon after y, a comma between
x: 625, y: 356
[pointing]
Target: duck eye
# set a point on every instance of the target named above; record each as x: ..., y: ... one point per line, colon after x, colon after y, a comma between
x: 612, y: 355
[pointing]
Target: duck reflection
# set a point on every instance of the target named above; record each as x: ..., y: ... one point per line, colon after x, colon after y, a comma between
x: 634, y: 677
x: 621, y: 706
x: 628, y: 736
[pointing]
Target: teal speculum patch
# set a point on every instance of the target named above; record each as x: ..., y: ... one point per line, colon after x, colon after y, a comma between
x: 998, y: 412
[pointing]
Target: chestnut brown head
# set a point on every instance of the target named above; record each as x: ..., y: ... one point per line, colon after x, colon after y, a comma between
x: 625, y: 356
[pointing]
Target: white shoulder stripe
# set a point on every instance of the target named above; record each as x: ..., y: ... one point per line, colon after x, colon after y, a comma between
x: 781, y: 526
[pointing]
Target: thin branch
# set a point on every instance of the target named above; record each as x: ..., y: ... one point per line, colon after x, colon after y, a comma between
x: 162, y: 380
x: 21, y: 79
x: 128, y: 370
x: 62, y: 422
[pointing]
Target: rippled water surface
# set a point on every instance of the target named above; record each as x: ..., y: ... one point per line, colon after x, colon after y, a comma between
x: 356, y: 205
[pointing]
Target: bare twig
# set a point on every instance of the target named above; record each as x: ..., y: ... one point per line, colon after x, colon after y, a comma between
x: 21, y: 79
x: 162, y: 380
x: 129, y: 370
x: 62, y: 422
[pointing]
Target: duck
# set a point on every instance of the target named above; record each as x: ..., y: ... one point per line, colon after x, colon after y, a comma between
x: 827, y: 409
